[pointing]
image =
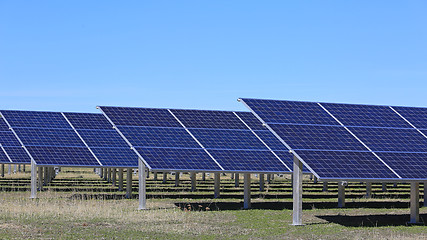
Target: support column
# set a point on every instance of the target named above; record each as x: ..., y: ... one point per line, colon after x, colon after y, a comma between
x: 109, y: 175
x: 425, y: 194
x: 217, y: 181
x: 261, y: 182
x: 236, y: 180
x: 101, y: 172
x: 165, y: 177
x: 176, y: 179
x: 45, y: 175
x: 155, y: 176
x: 368, y: 190
x: 120, y: 179
x: 129, y: 183
x: 247, y: 190
x: 105, y: 174
x: 415, y: 201
x: 40, y: 180
x: 10, y: 169
x: 2, y: 170
x: 33, y: 180
x: 325, y: 187
x: 268, y: 178
x: 23, y: 168
x: 142, y: 180
x: 341, y: 194
x: 193, y: 181
x: 114, y: 173
x: 203, y: 176
x: 297, y: 192
x: 384, y: 187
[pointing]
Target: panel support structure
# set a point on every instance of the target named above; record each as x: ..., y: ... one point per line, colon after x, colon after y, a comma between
x: 368, y: 190
x: 176, y: 179
x: 217, y: 181
x: 341, y: 194
x: 384, y: 187
x: 40, y: 179
x: 114, y: 173
x: 33, y: 179
x: 120, y: 179
x: 142, y: 180
x: 325, y: 187
x: 203, y: 176
x: 236, y: 180
x: 261, y: 182
x: 425, y: 194
x: 415, y: 202
x: 155, y: 176
x: 193, y: 181
x: 297, y: 192
x: 165, y: 177
x: 129, y: 183
x: 246, y: 190
x: 2, y: 170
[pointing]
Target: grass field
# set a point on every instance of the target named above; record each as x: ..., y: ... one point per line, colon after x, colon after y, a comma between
x: 80, y: 205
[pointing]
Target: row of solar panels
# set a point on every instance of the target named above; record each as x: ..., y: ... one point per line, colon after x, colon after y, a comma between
x: 164, y: 139
x: 349, y: 141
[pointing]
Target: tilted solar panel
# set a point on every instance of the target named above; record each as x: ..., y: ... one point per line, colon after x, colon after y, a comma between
x: 3, y: 125
x: 62, y: 156
x: 17, y: 154
x: 35, y: 119
x: 415, y: 115
x: 250, y: 120
x: 208, y: 119
x: 9, y: 139
x: 140, y: 117
x: 49, y: 137
x: 407, y: 165
x: 88, y: 121
x: 3, y: 157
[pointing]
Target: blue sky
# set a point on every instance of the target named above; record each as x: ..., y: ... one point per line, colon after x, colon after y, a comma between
x: 75, y: 55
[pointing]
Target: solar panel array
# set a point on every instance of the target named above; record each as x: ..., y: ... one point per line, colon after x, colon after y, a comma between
x: 11, y: 148
x: 199, y: 140
x: 348, y: 141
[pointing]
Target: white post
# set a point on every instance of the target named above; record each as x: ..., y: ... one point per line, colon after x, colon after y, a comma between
x: 341, y: 194
x: 415, y: 200
x: 129, y: 183
x: 217, y: 181
x: 40, y: 180
x: 142, y: 179
x: 120, y: 179
x: 368, y: 190
x: 384, y: 187
x: 193, y: 181
x: 33, y: 180
x: 165, y: 177
x: 114, y: 173
x: 325, y: 187
x: 176, y: 179
x: 236, y: 180
x: 247, y: 190
x: 261, y: 182
x: 297, y: 192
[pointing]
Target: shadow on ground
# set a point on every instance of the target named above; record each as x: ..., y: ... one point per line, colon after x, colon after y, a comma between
x: 373, y: 220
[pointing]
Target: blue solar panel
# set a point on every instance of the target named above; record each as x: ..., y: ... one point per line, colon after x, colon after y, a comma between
x: 253, y: 122
x: 62, y: 156
x: 209, y: 119
x: 317, y: 137
x: 416, y: 116
x: 183, y: 159
x: 407, y: 165
x: 35, y: 119
x: 272, y: 141
x: 17, y: 154
x: 350, y: 165
x: 3, y: 125
x: 391, y: 139
x: 290, y: 112
x: 158, y: 137
x: 140, y: 117
x: 243, y: 160
x: 103, y: 138
x: 3, y: 157
x: 48, y: 137
x: 116, y: 157
x: 88, y: 121
x: 9, y: 139
x: 366, y: 115
x: 227, y: 139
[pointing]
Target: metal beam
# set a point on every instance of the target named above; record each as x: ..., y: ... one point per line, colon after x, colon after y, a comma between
x: 109, y: 175
x: 368, y: 190
x: 325, y: 187
x: 129, y: 183
x: 40, y: 179
x: 114, y: 173
x: 247, y: 190
x: 2, y: 170
x: 33, y: 180
x: 415, y: 202
x: 261, y: 182
x: 297, y: 192
x: 165, y: 177
x: 341, y: 194
x: 120, y: 179
x: 193, y: 181
x: 155, y: 176
x: 176, y: 179
x: 236, y: 180
x: 142, y: 180
x: 217, y: 181
x: 203, y: 176
x: 384, y: 187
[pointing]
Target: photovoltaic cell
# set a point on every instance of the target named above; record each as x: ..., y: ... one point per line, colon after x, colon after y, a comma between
x: 88, y: 121
x: 140, y: 117
x: 185, y: 159
x: 290, y: 112
x: 17, y: 154
x: 243, y: 160
x: 3, y: 125
x: 253, y: 122
x: 366, y: 115
x: 391, y: 139
x: 3, y: 157
x: 271, y: 140
x: 116, y: 157
x: 63, y: 156
x: 346, y: 165
x: 416, y: 116
x: 158, y: 137
x: 9, y: 139
x: 317, y: 137
x: 48, y: 137
x: 209, y: 119
x: 35, y: 119
x: 227, y: 139
x: 407, y: 165
x: 103, y: 138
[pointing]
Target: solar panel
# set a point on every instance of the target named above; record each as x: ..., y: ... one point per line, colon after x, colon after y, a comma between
x: 17, y: 154
x: 48, y: 137
x: 415, y: 115
x: 103, y: 138
x: 35, y: 119
x: 182, y: 159
x: 208, y: 119
x: 3, y: 125
x: 116, y: 157
x: 62, y: 156
x: 88, y: 121
x: 407, y: 165
x: 253, y: 122
x: 9, y: 139
x: 140, y: 117
x: 3, y: 157
x: 271, y: 140
x: 366, y: 115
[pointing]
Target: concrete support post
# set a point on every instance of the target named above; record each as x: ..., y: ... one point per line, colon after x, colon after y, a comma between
x: 40, y: 180
x: 368, y: 190
x: 120, y: 179
x: 129, y: 183
x: 114, y: 176
x: 325, y: 187
x: 341, y: 194
x: 246, y: 190
x: 142, y: 180
x: 33, y: 180
x: 217, y: 181
x: 236, y: 180
x: 261, y: 182
x: 384, y: 187
x: 165, y: 177
x: 193, y: 181
x: 415, y: 201
x: 176, y: 179
x: 297, y: 192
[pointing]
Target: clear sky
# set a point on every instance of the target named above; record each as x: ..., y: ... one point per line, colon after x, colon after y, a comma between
x: 75, y: 55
